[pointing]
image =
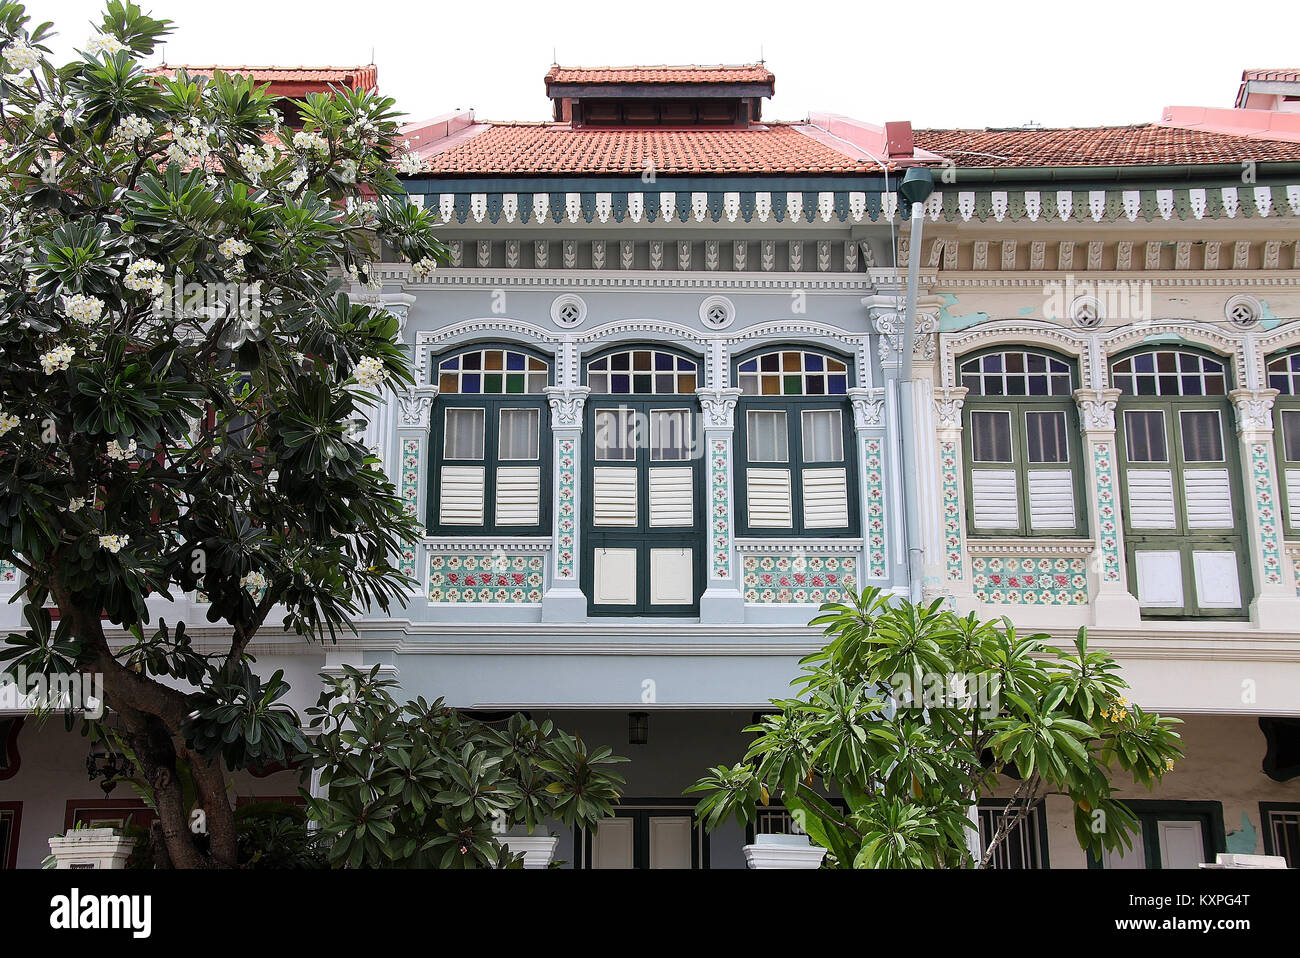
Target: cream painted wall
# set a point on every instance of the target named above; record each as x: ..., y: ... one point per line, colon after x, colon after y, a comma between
x: 1222, y: 764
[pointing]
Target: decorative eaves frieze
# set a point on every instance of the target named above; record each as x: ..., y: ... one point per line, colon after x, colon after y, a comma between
x: 777, y: 208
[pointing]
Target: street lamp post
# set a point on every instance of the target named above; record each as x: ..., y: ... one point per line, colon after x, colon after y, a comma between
x: 917, y: 185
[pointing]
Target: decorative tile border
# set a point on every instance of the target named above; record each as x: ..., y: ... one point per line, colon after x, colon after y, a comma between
x: 876, y: 568
x: 500, y: 577
x: 951, y: 509
x: 566, y: 542
x: 1016, y: 580
x: 718, y: 477
x: 1265, y: 513
x: 1108, y: 536
x: 799, y: 579
x: 409, y: 489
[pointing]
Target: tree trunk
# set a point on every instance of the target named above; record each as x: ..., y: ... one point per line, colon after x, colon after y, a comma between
x: 152, y: 715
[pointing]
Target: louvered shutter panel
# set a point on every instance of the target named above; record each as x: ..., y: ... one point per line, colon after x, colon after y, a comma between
x: 1293, y: 496
x: 1051, y: 499
x: 769, y: 500
x: 460, y: 496
x: 825, y: 498
x: 614, y: 496
x: 1209, y: 498
x: 672, y: 500
x: 994, y: 499
x: 519, y: 495
x: 1151, y: 499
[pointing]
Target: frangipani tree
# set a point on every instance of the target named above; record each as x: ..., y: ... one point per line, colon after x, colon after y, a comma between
x: 911, y: 713
x: 421, y: 786
x: 179, y: 371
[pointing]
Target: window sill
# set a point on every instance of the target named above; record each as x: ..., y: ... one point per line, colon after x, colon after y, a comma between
x: 443, y: 543
x: 1032, y: 544
x: 798, y: 544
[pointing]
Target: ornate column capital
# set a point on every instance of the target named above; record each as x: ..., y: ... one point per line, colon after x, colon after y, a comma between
x: 719, y: 406
x: 868, y: 407
x: 1254, y: 409
x: 1097, y: 408
x: 567, y: 403
x: 889, y: 324
x: 948, y: 402
x: 415, y: 407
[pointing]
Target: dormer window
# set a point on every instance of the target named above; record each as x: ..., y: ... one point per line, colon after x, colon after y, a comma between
x: 678, y: 97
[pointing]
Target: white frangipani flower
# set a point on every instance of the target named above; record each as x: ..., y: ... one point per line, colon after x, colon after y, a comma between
x: 57, y: 359
x: 144, y: 276
x: 83, y: 308
x: 103, y: 43
x: 254, y: 582
x: 233, y: 248
x: 120, y: 453
x: 113, y: 543
x: 7, y: 422
x: 21, y: 56
x: 370, y: 372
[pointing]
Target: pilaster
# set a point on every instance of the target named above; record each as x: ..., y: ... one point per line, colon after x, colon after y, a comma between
x: 1112, y: 602
x: 722, y: 600
x: 564, y: 601
x: 1273, y: 606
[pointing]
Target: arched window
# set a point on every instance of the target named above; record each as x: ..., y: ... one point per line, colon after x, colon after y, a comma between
x: 1169, y: 372
x: 491, y: 371
x: 1022, y: 449
x: 1284, y: 376
x: 643, y: 372
x: 795, y: 444
x: 793, y: 372
x: 643, y: 545
x: 491, y: 443
x: 1181, y: 484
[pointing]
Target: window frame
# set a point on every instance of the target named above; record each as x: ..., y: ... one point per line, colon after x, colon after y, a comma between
x: 1266, y: 811
x: 794, y: 407
x: 1150, y: 812
x: 1034, y: 823
x: 1284, y: 402
x: 1019, y: 407
x: 492, y: 405
x: 1181, y: 538
x: 643, y: 537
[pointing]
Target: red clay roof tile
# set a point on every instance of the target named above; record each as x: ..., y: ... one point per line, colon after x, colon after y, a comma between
x: 548, y: 149
x: 741, y: 73
x: 1140, y: 145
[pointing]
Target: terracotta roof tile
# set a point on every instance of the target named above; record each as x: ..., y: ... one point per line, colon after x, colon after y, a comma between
x: 1140, y: 145
x: 741, y: 73
x: 547, y: 149
x: 356, y: 77
x: 1283, y: 76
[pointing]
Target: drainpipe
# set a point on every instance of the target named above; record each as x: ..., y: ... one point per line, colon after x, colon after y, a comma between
x: 916, y: 188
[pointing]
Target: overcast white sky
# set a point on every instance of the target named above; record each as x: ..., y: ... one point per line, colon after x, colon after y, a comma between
x: 979, y: 64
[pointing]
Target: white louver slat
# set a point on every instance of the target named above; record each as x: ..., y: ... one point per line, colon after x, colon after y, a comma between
x: 994, y: 498
x: 1293, y: 497
x: 519, y: 495
x: 1051, y: 499
x: 460, y: 496
x: 1151, y: 499
x: 1209, y: 498
x: 825, y: 498
x: 614, y: 496
x: 672, y: 500
x: 768, y: 497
